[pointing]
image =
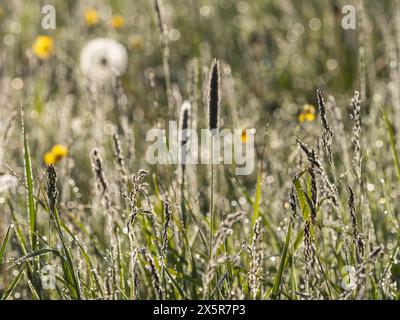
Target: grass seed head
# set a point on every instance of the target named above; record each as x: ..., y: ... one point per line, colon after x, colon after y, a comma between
x: 214, y: 96
x: 52, y: 191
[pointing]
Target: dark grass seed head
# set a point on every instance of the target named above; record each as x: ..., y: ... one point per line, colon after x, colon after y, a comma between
x: 119, y: 154
x: 357, y: 237
x: 167, y: 214
x: 214, y: 96
x: 52, y: 192
x: 97, y: 165
x: 309, y: 253
x: 293, y: 205
x: 158, y: 9
x: 184, y: 121
x: 101, y: 182
x: 156, y: 282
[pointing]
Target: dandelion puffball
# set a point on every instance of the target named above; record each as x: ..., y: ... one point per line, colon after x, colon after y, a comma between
x: 103, y: 57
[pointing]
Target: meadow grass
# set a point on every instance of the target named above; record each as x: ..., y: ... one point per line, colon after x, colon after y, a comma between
x: 83, y: 215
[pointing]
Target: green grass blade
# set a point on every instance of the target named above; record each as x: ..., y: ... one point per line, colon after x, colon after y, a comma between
x: 68, y: 264
x: 29, y: 183
x: 4, y: 244
x: 305, y: 210
x: 13, y: 285
x: 176, y: 285
x: 282, y: 263
x: 392, y: 138
x: 86, y: 258
x: 37, y: 253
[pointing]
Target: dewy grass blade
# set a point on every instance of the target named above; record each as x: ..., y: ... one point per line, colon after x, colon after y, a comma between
x: 87, y: 260
x: 4, y: 244
x: 282, y: 263
x: 176, y: 285
x: 392, y: 143
x: 302, y: 198
x: 34, y: 254
x: 68, y: 265
x: 31, y: 206
x: 29, y: 183
x: 13, y: 284
x: 21, y: 241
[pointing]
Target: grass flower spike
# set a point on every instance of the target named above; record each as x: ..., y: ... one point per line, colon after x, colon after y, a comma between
x: 214, y: 96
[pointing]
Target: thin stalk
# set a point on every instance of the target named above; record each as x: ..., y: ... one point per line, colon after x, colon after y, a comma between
x: 211, y: 206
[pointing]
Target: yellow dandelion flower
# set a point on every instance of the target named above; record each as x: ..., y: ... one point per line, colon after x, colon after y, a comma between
x: 136, y: 41
x: 117, y: 22
x: 309, y: 108
x: 43, y: 47
x: 244, y: 136
x: 310, y: 117
x: 59, y: 151
x: 91, y: 17
x: 307, y: 114
x: 49, y: 158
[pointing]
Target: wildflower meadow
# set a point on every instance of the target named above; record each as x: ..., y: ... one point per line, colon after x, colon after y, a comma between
x: 190, y: 150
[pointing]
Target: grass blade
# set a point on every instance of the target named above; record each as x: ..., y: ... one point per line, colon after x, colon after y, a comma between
x: 282, y: 263
x: 392, y: 143
x: 29, y: 183
x: 13, y: 285
x: 4, y: 244
x: 176, y: 285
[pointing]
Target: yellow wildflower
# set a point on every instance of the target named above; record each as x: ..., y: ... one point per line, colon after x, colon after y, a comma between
x: 310, y: 116
x: 55, y: 154
x: 307, y: 114
x: 59, y: 151
x: 91, y: 17
x: 49, y: 158
x: 117, y: 22
x: 136, y: 41
x: 244, y: 136
x: 43, y: 47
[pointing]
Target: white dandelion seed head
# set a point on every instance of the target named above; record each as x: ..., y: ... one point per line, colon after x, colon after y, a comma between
x: 103, y: 57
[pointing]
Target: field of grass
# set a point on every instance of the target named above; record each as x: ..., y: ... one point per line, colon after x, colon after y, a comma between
x: 85, y: 215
